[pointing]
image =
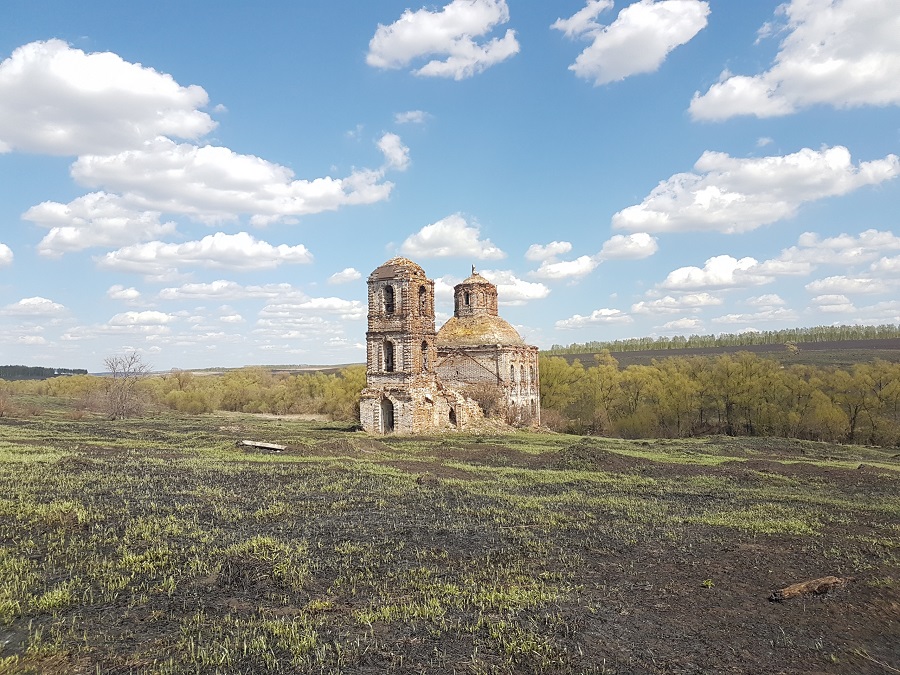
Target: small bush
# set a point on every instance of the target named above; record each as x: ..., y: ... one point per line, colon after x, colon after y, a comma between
x: 489, y: 397
x: 6, y: 408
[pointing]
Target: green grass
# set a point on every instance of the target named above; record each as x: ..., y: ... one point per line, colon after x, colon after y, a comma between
x: 157, y: 546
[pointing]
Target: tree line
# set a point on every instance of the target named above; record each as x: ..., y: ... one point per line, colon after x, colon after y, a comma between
x: 36, y: 372
x: 735, y: 394
x: 767, y: 337
x: 130, y: 390
x: 738, y: 394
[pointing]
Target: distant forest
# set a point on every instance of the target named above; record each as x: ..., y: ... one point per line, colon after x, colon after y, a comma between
x: 11, y: 373
x: 768, y: 337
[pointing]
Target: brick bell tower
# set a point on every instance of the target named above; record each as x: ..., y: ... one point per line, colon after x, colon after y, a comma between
x: 400, y: 350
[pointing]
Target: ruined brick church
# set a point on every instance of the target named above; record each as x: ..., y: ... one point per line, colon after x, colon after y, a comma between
x: 419, y: 380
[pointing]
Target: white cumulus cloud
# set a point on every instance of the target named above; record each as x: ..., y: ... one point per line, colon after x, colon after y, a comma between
x: 881, y: 312
x: 629, y: 247
x: 95, y: 219
x: 6, y: 255
x: 672, y: 305
x: 566, y: 269
x: 584, y: 20
x: 841, y: 285
x: 222, y: 289
x: 729, y: 194
x: 638, y: 41
x: 549, y: 251
x: 347, y: 309
x: 411, y: 117
x: 36, y: 306
x: 345, y: 276
x: 443, y: 288
x: 239, y: 251
x: 772, y: 314
x: 618, y: 247
x: 886, y: 265
x: 148, y: 318
x: 512, y: 290
x: 213, y: 183
x: 684, y: 324
x: 293, y: 312
x: 722, y: 271
x: 58, y: 100
x: 834, y: 304
x: 598, y: 316
x: 447, y: 37
x: 452, y: 236
x: 119, y: 292
x: 842, y: 53
x: 843, y: 249
x: 396, y: 155
x: 767, y: 300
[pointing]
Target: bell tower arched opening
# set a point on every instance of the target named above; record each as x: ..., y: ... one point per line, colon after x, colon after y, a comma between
x: 388, y: 356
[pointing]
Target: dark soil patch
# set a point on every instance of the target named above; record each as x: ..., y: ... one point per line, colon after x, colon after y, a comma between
x: 428, y: 472
x: 486, y: 454
x: 519, y: 576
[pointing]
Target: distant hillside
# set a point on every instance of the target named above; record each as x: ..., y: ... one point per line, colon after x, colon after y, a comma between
x: 275, y: 369
x: 776, y: 338
x: 840, y: 353
x: 11, y: 373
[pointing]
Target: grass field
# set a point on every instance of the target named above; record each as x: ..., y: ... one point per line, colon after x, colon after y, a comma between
x: 839, y: 354
x: 156, y: 546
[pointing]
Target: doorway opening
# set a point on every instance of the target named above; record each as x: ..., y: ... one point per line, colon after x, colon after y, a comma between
x: 387, y: 416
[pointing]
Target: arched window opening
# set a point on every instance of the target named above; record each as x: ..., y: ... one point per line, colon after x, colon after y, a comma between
x: 388, y: 356
x: 512, y: 375
x: 388, y: 299
x: 423, y: 301
x: 466, y: 298
x: 522, y: 379
x: 424, y: 356
x: 452, y: 416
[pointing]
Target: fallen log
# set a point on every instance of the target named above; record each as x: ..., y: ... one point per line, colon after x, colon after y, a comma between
x: 263, y: 446
x: 811, y: 587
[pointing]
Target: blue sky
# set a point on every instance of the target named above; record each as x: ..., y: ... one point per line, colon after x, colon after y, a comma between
x: 211, y: 183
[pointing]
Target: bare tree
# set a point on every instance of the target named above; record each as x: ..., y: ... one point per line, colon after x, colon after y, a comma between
x: 122, y: 396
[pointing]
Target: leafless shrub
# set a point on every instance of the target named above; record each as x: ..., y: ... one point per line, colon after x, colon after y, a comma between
x: 555, y: 420
x: 489, y: 397
x: 6, y: 407
x: 123, y: 398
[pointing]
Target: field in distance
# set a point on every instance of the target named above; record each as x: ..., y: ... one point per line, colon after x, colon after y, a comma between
x: 841, y: 354
x: 156, y: 545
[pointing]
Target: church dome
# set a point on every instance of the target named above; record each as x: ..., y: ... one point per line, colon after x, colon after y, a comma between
x: 397, y: 267
x: 475, y: 279
x: 476, y: 331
